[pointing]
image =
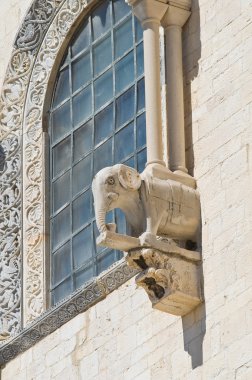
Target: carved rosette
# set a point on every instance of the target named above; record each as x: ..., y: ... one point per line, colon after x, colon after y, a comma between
x: 14, y: 99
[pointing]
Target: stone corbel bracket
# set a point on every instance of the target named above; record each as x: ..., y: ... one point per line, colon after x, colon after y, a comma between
x: 170, y: 275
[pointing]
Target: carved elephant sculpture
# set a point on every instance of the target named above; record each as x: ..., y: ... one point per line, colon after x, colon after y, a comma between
x: 151, y: 205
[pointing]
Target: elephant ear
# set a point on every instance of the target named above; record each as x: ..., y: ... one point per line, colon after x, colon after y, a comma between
x: 129, y: 178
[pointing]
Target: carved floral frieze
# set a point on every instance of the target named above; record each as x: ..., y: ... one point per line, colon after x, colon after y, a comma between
x: 82, y: 299
x: 33, y: 177
x: 37, y: 44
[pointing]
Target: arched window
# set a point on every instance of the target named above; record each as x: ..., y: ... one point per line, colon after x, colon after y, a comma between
x: 97, y: 118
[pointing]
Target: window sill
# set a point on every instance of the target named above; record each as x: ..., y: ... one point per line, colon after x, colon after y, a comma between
x: 78, y: 302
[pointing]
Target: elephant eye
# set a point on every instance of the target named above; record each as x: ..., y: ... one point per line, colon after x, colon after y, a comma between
x: 110, y: 181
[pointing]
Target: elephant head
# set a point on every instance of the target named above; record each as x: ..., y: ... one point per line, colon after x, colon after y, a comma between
x: 117, y: 187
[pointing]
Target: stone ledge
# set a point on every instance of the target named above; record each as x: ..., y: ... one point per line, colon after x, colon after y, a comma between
x: 78, y: 302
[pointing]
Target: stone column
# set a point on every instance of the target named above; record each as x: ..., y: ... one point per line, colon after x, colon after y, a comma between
x: 173, y: 22
x: 150, y: 13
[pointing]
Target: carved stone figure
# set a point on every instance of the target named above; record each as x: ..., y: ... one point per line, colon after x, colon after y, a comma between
x: 151, y: 205
x: 159, y: 206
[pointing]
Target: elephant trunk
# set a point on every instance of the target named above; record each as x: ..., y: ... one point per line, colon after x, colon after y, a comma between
x: 100, y: 215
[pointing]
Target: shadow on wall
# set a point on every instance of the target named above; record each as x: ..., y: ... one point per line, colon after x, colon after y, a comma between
x: 191, y: 57
x: 2, y: 158
x: 194, y: 324
x: 194, y: 329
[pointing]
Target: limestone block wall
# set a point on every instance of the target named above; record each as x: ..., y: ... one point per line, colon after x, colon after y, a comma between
x: 122, y: 337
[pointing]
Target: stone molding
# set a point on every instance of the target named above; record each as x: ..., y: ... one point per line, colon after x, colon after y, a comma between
x: 34, y: 176
x: 78, y: 302
x: 13, y: 98
x: 44, y: 30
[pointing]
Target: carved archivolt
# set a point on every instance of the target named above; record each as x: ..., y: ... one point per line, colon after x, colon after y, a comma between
x: 33, y: 175
x: 37, y: 44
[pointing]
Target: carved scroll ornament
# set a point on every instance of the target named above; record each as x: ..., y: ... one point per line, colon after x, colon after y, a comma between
x: 38, y: 41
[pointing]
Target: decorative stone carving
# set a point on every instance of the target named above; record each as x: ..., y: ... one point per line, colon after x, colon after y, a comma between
x: 152, y: 205
x: 78, y: 302
x: 33, y: 152
x: 38, y: 41
x: 171, y: 282
x: 12, y: 105
x: 158, y: 209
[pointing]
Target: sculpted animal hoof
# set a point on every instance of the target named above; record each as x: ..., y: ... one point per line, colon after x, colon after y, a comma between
x: 111, y: 227
x: 147, y: 239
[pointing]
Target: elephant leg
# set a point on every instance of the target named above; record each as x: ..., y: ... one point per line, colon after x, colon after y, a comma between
x: 152, y: 226
x: 149, y: 237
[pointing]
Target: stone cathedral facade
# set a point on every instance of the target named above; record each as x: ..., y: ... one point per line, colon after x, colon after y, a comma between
x: 160, y: 91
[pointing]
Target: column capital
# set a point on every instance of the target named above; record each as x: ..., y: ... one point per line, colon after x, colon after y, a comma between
x: 148, y: 9
x: 175, y: 15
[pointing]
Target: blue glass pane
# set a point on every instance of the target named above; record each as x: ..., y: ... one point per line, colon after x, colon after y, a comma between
x: 83, y: 276
x: 92, y: 205
x: 124, y: 142
x: 62, y: 90
x: 103, y: 89
x: 125, y: 106
x: 141, y: 160
x: 61, y: 123
x: 82, y: 106
x: 140, y: 95
x: 140, y: 60
x: 65, y: 60
x: 141, y: 131
x: 110, y: 217
x: 138, y: 30
x: 62, y: 156
x: 61, y: 267
x: 124, y: 72
x: 103, y: 124
x: 82, y: 175
x: 102, y: 55
x: 62, y: 291
x: 81, y: 71
x: 61, y: 191
x: 101, y: 20
x: 130, y: 162
x: 82, y: 40
x: 81, y: 210
x: 120, y: 9
x: 123, y: 38
x: 103, y: 156
x: 106, y: 261
x: 61, y: 227
x: 120, y: 221
x: 97, y: 248
x: 82, y: 247
x: 82, y: 140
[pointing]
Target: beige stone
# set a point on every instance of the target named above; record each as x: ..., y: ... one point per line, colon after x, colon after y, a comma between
x: 217, y: 131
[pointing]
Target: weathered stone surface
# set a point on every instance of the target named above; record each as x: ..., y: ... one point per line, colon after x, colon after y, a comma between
x: 81, y: 300
x: 153, y: 206
x: 172, y: 282
x: 214, y: 343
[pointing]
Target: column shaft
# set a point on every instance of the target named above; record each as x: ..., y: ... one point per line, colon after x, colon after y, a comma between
x: 175, y: 99
x: 152, y: 91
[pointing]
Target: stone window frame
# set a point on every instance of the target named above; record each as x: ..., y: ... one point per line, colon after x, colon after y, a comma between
x: 38, y: 50
x: 39, y: 47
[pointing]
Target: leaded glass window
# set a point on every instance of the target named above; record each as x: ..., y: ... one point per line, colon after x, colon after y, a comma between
x: 97, y: 119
